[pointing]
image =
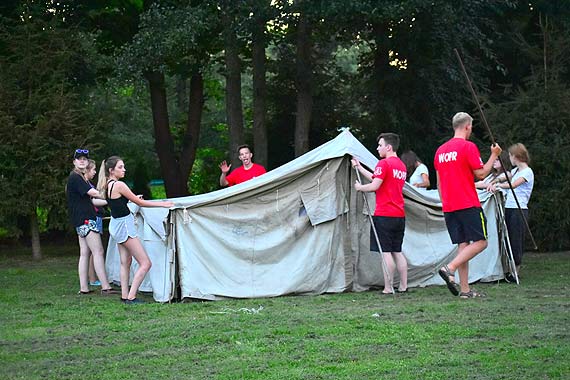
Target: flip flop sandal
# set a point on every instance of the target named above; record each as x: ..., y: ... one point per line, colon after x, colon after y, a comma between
x: 85, y: 293
x: 445, y: 273
x: 109, y: 291
x: 471, y: 294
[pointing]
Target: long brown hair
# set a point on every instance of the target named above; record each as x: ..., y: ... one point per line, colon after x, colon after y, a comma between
x: 103, y: 179
x: 409, y: 158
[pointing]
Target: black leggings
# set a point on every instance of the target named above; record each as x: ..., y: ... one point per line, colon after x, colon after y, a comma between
x: 517, y: 231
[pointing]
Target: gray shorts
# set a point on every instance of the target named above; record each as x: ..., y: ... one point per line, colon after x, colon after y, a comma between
x: 122, y: 228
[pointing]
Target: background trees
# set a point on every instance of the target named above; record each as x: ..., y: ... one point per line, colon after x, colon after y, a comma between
x: 175, y: 85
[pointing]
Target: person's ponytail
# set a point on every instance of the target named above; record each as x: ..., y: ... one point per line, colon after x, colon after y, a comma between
x: 102, y: 181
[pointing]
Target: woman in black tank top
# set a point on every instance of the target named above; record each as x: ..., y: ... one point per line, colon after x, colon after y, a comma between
x: 122, y: 227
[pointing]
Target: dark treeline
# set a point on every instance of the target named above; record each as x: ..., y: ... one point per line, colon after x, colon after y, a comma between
x: 175, y: 86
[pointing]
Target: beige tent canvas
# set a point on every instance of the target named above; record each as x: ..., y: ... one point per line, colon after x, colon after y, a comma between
x: 298, y: 229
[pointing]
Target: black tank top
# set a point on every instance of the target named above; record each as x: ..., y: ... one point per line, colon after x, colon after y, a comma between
x: 118, y: 206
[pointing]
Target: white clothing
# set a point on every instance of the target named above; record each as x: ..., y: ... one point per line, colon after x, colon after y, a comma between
x: 523, y: 191
x: 122, y: 228
x: 417, y: 176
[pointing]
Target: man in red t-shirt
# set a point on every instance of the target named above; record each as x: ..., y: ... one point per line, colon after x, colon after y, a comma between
x: 389, y: 218
x: 458, y: 163
x: 245, y: 172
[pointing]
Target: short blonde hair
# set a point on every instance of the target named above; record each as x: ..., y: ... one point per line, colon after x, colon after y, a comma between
x: 461, y: 119
x: 520, y: 152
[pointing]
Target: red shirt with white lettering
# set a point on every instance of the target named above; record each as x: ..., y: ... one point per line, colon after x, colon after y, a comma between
x: 389, y: 197
x: 455, y: 162
x: 241, y: 174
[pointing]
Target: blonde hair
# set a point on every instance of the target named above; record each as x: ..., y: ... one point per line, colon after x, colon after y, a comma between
x: 103, y: 178
x: 461, y: 119
x: 520, y: 152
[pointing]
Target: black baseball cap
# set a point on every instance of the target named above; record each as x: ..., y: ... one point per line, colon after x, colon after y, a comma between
x: 81, y: 153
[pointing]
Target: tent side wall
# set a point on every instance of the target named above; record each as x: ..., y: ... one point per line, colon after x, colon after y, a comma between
x: 427, y: 245
x: 287, y: 238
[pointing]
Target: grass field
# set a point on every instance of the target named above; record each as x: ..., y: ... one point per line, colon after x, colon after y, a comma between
x: 517, y: 332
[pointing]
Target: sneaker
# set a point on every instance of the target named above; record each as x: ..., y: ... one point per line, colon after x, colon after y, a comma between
x: 133, y: 301
x: 510, y: 278
x: 95, y: 283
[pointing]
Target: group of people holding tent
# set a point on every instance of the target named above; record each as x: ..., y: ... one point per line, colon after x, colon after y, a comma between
x: 83, y: 199
x: 457, y: 162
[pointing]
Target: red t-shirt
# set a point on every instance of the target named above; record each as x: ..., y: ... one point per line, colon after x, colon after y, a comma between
x: 240, y: 174
x: 455, y: 162
x: 389, y: 197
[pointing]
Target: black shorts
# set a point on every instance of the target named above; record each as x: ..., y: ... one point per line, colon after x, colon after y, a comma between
x: 390, y: 233
x: 466, y: 225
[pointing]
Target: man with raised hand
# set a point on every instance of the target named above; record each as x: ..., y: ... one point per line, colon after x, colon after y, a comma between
x: 244, y: 173
x: 458, y: 163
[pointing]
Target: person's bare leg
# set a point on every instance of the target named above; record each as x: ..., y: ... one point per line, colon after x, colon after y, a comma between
x: 97, y: 252
x: 83, y: 265
x: 92, y: 275
x: 126, y: 260
x: 465, y: 253
x: 137, y: 251
x: 402, y: 266
x: 464, y: 277
x: 388, y: 276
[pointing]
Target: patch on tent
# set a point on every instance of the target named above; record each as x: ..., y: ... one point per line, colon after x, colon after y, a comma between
x: 323, y: 202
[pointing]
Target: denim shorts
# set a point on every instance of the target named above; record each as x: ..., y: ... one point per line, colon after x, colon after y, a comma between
x: 99, y: 222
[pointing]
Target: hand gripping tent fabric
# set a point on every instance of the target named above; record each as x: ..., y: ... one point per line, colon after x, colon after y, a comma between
x: 298, y: 229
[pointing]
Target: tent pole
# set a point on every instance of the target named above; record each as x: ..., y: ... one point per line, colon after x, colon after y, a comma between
x: 384, y: 266
x: 505, y: 233
x: 474, y: 94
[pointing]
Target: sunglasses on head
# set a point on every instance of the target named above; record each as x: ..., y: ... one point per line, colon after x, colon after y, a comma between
x: 84, y: 151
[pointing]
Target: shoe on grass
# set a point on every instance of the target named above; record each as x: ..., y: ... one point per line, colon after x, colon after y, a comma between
x: 134, y: 301
x: 95, y: 283
x: 106, y: 292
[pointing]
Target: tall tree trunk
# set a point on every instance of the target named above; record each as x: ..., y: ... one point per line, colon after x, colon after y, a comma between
x: 35, y: 234
x: 192, y: 135
x: 259, y: 93
x: 304, y: 85
x: 173, y: 181
x: 380, y: 70
x: 234, y: 112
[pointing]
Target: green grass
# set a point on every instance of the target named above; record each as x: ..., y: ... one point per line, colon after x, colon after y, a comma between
x: 517, y: 332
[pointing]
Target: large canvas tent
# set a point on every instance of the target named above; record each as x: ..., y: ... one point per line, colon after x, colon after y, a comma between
x: 298, y: 229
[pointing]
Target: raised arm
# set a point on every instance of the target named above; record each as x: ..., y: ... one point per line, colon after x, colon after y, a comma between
x: 361, y: 169
x: 486, y: 169
x: 225, y: 168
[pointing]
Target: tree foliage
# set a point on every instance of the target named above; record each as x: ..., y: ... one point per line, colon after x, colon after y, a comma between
x: 43, y: 117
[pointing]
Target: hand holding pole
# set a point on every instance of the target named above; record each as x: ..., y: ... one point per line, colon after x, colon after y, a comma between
x: 475, y: 98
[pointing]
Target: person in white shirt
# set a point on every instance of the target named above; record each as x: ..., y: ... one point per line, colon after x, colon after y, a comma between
x: 522, y: 180
x: 418, y: 174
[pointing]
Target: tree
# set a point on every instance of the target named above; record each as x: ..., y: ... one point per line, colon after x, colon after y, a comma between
x: 535, y: 110
x: 41, y: 113
x: 173, y: 41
